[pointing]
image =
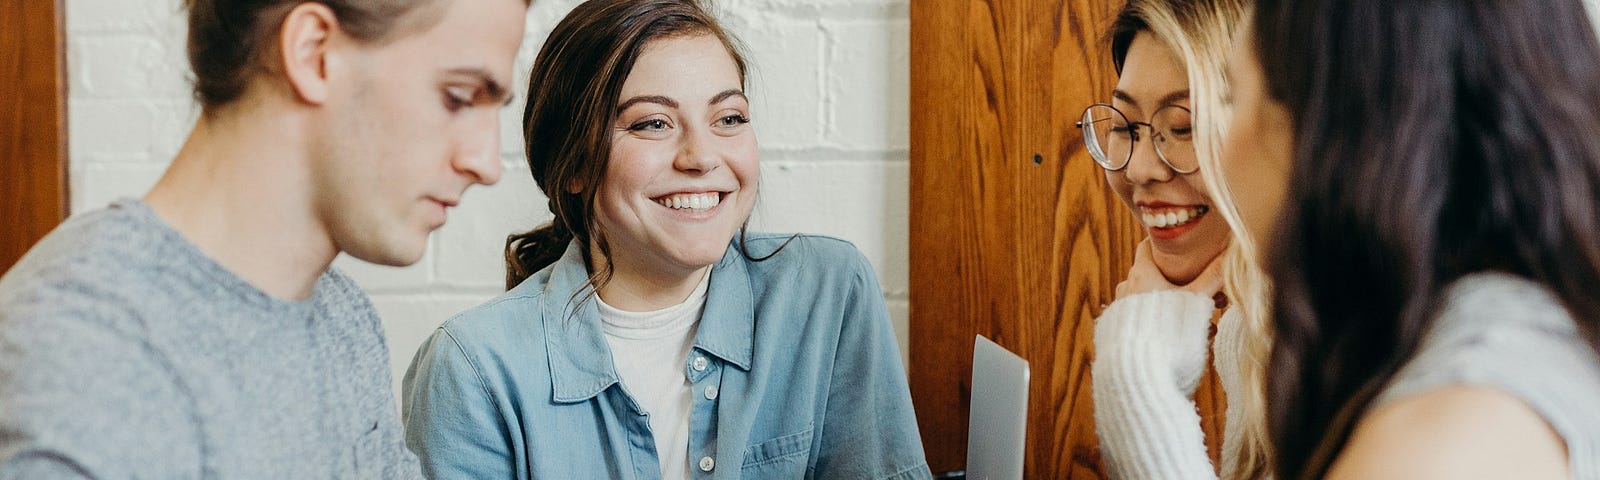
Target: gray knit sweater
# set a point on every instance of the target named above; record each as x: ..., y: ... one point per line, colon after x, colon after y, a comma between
x: 1510, y: 334
x: 127, y: 353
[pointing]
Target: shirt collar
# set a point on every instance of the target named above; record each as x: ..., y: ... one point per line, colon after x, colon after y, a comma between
x: 728, y: 327
x: 580, y: 360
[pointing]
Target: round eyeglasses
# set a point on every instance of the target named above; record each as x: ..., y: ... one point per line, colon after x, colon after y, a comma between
x: 1110, y: 137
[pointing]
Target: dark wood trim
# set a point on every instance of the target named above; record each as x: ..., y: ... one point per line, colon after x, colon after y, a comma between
x: 33, y: 149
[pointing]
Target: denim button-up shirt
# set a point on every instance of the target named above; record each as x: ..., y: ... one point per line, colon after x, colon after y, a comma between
x: 795, y: 371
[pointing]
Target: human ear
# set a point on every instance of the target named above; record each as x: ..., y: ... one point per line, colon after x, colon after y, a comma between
x: 303, y: 48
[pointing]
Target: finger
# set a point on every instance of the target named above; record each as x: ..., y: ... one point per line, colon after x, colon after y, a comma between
x: 1141, y: 253
x: 1143, y: 259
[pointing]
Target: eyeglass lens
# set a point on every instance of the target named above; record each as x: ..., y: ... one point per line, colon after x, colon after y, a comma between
x: 1110, y: 136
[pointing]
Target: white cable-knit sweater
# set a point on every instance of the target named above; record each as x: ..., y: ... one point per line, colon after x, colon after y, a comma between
x: 1150, y: 352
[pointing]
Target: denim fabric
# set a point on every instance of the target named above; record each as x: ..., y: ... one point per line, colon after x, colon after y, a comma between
x: 795, y: 370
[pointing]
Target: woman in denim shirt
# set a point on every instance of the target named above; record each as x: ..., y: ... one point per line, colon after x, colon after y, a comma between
x: 646, y: 334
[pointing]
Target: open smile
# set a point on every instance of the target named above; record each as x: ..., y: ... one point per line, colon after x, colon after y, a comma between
x: 690, y: 201
x: 693, y: 205
x: 1168, y: 222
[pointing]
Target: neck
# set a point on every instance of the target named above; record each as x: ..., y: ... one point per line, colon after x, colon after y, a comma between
x: 239, y: 190
x: 634, y: 289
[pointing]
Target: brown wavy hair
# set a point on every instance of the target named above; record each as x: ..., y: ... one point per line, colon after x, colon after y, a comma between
x: 572, y: 99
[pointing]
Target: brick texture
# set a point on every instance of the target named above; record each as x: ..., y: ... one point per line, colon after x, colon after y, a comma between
x: 828, y: 83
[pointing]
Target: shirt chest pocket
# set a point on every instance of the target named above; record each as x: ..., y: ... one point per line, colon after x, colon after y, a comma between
x: 782, y: 457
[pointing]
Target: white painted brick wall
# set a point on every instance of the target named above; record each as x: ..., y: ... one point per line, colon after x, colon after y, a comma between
x: 829, y: 86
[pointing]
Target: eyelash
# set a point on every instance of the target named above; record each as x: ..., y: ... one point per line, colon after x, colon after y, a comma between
x: 658, y: 124
x: 454, y: 104
x: 654, y: 123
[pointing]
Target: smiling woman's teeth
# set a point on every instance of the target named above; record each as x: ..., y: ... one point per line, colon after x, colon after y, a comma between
x: 691, y: 201
x: 1171, y: 217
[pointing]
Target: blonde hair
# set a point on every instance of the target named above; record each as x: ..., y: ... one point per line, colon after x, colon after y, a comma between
x: 1201, y: 34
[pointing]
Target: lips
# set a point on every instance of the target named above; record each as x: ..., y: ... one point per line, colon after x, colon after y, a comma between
x: 443, y: 209
x: 1169, y: 222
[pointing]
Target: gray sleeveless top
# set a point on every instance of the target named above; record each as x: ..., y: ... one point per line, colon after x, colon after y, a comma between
x: 1507, y: 333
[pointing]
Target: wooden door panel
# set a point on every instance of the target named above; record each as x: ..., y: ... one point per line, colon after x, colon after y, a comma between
x: 1014, y: 233
x: 33, y: 179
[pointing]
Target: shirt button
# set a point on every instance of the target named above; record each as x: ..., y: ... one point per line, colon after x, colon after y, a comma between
x: 706, y: 464
x: 700, y: 364
x: 711, y: 392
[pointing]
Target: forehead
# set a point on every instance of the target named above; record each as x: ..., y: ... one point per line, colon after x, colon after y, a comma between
x: 1151, y: 72
x: 689, y: 66
x: 1242, y: 69
x: 484, y: 33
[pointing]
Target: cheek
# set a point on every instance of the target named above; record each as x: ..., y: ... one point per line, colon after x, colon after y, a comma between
x: 1120, y: 185
x: 1235, y: 153
x: 1197, y: 184
x: 745, y: 161
x: 633, y: 164
x: 1253, y: 164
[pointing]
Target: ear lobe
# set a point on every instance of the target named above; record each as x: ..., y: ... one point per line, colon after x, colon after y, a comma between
x: 574, y: 186
x: 304, y: 39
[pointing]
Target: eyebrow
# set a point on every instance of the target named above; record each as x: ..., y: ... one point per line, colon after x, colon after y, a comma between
x: 656, y: 99
x: 491, y: 86
x: 1169, y: 99
x: 726, y: 94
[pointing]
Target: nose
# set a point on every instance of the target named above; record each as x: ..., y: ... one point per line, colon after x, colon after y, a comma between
x: 478, y: 156
x: 698, y: 154
x: 1146, y: 166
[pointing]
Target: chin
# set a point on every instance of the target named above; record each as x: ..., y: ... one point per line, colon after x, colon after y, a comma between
x: 705, y: 257
x: 404, y: 259
x: 393, y: 254
x: 703, y: 254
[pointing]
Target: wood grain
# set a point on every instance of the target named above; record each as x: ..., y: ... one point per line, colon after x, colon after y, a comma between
x: 1023, y: 250
x: 33, y: 175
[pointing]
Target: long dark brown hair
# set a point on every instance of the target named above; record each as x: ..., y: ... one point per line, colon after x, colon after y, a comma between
x: 1433, y: 139
x: 572, y: 98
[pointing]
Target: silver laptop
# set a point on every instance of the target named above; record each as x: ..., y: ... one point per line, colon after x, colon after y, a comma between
x: 997, y: 426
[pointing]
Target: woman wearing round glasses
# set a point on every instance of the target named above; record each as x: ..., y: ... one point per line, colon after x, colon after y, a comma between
x: 1162, y: 125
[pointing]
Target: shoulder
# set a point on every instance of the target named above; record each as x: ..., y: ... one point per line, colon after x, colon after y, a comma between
x: 806, y: 255
x: 103, y: 265
x: 1507, y: 332
x: 510, y: 322
x: 1501, y: 330
x: 1450, y: 433
x: 484, y: 351
x: 1504, y: 349
x: 93, y: 250
x: 1493, y: 300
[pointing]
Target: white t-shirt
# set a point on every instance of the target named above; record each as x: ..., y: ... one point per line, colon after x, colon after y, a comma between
x: 651, y: 353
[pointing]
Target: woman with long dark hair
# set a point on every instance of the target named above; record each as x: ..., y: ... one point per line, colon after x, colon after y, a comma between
x: 1425, y: 179
x: 645, y: 334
